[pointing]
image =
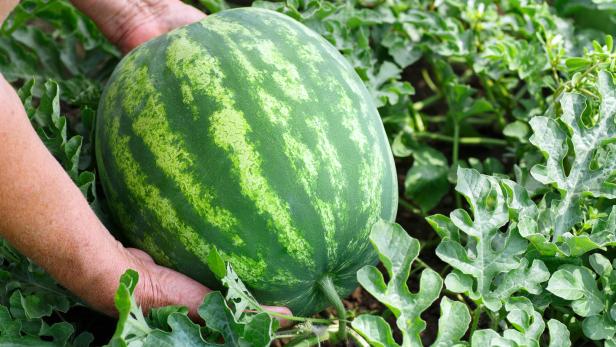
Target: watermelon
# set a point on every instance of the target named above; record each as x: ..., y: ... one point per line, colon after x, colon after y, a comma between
x: 250, y: 133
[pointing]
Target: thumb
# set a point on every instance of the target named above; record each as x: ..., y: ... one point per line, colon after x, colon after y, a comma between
x: 280, y: 310
x: 162, y: 286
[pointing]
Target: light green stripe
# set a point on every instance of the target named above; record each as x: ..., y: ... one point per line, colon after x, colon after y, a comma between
x: 300, y: 156
x: 149, y: 195
x: 327, y: 153
x: 331, y: 51
x: 142, y: 101
x: 372, y: 165
x: 151, y: 125
x: 230, y: 130
x: 285, y: 74
x: 308, y: 52
x: 372, y: 169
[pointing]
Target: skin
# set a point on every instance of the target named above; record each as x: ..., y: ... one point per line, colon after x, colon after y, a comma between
x: 45, y: 216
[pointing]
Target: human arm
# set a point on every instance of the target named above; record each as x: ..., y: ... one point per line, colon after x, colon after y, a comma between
x: 45, y: 216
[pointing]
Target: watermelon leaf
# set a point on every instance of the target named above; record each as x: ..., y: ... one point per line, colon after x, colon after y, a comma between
x: 29, y: 296
x: 588, y: 292
x: 171, y: 326
x: 397, y: 251
x: 592, y: 159
x: 426, y: 181
x: 131, y: 324
x: 216, y: 263
x: 183, y: 333
x: 258, y: 331
x: 577, y: 283
x: 489, y: 266
x: 452, y: 323
x: 239, y: 295
x: 375, y: 330
x: 528, y: 326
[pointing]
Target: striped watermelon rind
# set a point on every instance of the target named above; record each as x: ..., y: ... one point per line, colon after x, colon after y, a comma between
x: 249, y: 132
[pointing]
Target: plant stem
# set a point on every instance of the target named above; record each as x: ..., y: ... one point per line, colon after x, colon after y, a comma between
x: 410, y: 207
x: 445, y: 270
x: 455, y: 155
x: 423, y: 264
x: 476, y: 316
x: 308, y: 341
x: 327, y: 287
x: 430, y: 243
x: 419, y: 265
x: 493, y: 319
x: 435, y: 119
x: 429, y: 81
x: 463, y: 140
x: 420, y: 105
x: 298, y: 319
x: 488, y: 87
x: 360, y: 341
x: 288, y: 333
x: 318, y: 335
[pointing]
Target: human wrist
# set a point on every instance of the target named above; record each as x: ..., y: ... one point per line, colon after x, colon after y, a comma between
x: 97, y: 271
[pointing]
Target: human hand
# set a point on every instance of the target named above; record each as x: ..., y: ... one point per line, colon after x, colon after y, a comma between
x: 161, y: 286
x: 6, y: 7
x: 131, y: 23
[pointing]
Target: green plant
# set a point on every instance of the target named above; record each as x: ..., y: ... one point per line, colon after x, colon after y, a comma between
x: 510, y: 102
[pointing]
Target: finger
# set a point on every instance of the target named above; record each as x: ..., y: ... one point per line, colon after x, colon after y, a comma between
x: 178, y: 289
x: 178, y: 14
x: 169, y: 287
x: 277, y: 309
x: 280, y: 310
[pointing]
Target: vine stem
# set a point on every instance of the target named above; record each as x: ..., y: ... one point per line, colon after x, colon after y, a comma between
x: 476, y: 315
x: 410, y: 207
x: 298, y: 319
x: 429, y: 81
x: 420, y: 105
x: 455, y: 155
x: 423, y: 264
x: 359, y: 340
x: 462, y: 140
x: 327, y: 287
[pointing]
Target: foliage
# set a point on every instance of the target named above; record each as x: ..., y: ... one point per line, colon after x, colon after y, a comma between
x: 229, y: 320
x: 397, y: 250
x: 491, y: 267
x: 460, y: 75
x: 32, y: 305
x: 510, y: 102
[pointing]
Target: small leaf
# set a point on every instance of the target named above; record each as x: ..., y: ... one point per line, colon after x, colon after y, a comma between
x: 559, y: 334
x: 578, y: 284
x: 216, y: 263
x: 375, y: 330
x: 426, y: 181
x: 452, y: 323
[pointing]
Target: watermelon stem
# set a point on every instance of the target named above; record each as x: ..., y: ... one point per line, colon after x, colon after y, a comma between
x: 327, y: 287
